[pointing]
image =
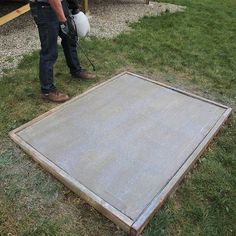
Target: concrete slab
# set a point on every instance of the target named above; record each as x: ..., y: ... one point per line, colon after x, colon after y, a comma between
x: 123, y: 145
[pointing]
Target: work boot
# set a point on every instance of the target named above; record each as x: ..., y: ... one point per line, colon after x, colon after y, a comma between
x: 83, y: 75
x: 55, y: 96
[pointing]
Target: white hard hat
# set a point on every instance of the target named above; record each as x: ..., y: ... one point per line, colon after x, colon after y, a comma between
x: 82, y: 24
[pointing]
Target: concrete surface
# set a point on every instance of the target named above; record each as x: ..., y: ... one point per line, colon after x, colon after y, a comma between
x: 125, y: 140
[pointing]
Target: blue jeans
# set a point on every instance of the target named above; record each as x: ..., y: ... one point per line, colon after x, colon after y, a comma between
x: 49, y: 30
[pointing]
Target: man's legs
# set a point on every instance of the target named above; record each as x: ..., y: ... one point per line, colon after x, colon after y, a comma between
x: 48, y: 32
x: 48, y: 27
x: 70, y: 51
x: 69, y: 47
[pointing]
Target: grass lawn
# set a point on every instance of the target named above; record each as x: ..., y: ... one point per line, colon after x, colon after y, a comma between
x: 195, y: 51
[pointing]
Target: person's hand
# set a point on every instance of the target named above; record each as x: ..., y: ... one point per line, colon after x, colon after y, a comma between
x: 68, y: 28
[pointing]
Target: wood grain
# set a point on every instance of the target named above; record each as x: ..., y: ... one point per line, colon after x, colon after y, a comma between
x: 14, y: 14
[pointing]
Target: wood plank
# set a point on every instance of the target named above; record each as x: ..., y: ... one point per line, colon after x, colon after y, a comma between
x: 85, y: 6
x: 14, y: 14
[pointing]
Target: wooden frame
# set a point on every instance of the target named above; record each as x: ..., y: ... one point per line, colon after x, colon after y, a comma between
x: 12, y: 15
x: 134, y: 227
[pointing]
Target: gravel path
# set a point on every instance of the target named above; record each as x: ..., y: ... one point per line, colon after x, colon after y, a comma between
x: 107, y: 18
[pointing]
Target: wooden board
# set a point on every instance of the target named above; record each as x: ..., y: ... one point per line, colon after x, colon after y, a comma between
x: 14, y: 14
x: 85, y: 6
x: 124, y: 145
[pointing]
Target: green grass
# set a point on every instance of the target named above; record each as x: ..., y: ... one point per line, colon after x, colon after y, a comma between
x: 195, y: 51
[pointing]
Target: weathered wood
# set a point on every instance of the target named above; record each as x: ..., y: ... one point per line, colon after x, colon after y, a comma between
x: 116, y: 161
x: 85, y: 6
x: 14, y: 14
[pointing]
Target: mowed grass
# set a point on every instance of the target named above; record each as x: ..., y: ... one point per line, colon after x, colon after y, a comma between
x: 195, y: 51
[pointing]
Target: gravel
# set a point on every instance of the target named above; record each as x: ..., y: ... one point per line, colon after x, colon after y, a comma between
x: 107, y: 18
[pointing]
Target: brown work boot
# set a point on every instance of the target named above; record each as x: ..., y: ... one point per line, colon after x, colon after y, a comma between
x: 83, y: 75
x: 55, y: 96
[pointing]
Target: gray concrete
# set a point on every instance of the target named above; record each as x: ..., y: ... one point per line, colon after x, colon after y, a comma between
x: 125, y: 140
